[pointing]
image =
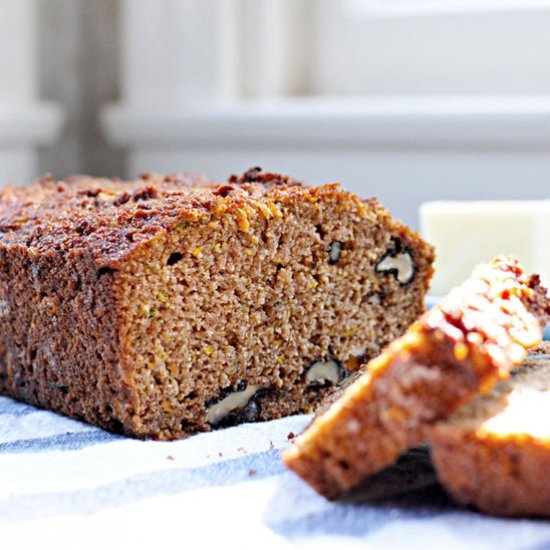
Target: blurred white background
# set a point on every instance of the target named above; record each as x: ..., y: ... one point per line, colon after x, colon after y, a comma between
x: 407, y: 100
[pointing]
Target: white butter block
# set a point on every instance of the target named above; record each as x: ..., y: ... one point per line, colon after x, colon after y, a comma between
x: 468, y: 233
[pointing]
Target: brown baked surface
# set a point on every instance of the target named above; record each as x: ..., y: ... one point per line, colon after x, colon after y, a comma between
x: 472, y: 338
x: 172, y: 305
x: 494, y: 453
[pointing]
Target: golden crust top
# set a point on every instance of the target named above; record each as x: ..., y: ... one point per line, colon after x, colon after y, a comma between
x: 109, y: 218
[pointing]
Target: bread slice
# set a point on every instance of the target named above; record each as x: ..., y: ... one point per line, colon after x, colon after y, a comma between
x: 462, y: 346
x: 172, y: 305
x: 494, y: 453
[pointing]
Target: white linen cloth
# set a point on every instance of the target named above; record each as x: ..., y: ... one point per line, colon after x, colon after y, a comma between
x: 65, y: 484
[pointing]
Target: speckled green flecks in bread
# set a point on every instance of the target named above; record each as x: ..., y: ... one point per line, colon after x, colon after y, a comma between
x: 172, y: 305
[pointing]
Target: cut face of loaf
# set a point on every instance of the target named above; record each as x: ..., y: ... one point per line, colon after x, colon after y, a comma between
x: 494, y: 453
x: 473, y: 337
x: 173, y: 305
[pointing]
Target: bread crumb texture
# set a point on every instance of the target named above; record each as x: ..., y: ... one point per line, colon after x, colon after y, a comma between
x: 172, y: 305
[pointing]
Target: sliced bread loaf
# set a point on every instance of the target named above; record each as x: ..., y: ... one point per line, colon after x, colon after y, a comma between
x: 172, y: 305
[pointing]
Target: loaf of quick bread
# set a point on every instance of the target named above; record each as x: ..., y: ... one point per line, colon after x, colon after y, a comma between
x: 171, y: 305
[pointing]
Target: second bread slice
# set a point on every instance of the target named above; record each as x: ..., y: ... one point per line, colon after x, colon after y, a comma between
x: 494, y: 453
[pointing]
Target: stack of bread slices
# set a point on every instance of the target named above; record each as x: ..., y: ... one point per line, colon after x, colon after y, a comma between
x: 471, y: 378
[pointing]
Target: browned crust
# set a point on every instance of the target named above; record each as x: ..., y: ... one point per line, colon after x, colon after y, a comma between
x: 463, y: 345
x: 112, y: 218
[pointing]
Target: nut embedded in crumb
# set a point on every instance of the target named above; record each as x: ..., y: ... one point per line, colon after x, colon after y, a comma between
x: 235, y: 400
x: 324, y: 372
x: 334, y: 251
x: 400, y: 264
